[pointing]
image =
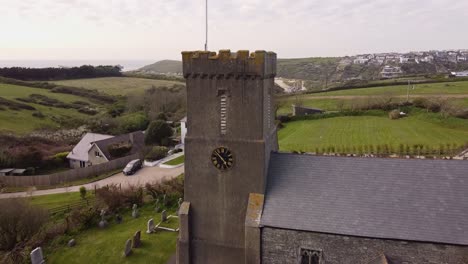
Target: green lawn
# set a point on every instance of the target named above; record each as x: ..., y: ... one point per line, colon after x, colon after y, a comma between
x: 57, y: 200
x: 176, y: 161
x: 426, y: 89
x: 106, y: 245
x: 418, y: 128
x: 22, y: 121
x: 117, y: 85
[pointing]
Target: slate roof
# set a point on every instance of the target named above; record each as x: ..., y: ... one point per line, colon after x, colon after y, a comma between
x: 405, y: 199
x: 138, y: 143
x: 80, y: 151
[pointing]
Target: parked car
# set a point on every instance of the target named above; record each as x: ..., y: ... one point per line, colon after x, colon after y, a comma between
x: 132, y: 167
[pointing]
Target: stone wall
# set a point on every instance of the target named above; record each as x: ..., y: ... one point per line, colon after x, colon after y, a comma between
x: 280, y: 246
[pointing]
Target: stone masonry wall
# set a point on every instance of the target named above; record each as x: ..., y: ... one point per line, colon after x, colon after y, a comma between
x: 281, y: 246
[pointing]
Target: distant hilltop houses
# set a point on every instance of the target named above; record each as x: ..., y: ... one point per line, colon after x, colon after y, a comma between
x: 393, y: 61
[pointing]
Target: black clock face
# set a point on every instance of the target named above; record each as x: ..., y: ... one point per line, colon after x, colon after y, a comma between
x: 222, y: 158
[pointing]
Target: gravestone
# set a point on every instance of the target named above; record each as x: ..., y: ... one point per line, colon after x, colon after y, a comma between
x: 164, y: 200
x: 135, y: 213
x: 103, y: 222
x: 164, y: 216
x: 71, y: 243
x: 150, y: 226
x: 128, y: 248
x: 118, y: 219
x: 137, y: 239
x: 157, y: 206
x: 36, y: 256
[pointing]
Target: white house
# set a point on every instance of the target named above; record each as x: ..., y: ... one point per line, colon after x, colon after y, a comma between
x: 183, y: 129
x: 79, y: 157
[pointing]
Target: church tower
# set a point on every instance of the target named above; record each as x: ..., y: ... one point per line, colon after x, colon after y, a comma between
x: 230, y: 134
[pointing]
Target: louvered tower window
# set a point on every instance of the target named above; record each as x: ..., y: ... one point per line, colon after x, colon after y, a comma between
x: 223, y: 112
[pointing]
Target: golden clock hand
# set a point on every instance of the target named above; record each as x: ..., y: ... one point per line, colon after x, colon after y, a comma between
x: 220, y: 157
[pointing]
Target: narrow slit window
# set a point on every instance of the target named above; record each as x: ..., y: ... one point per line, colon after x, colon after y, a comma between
x: 223, y: 113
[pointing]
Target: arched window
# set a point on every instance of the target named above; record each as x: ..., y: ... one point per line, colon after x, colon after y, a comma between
x: 309, y: 256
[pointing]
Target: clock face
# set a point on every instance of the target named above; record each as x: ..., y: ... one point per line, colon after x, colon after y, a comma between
x: 222, y: 158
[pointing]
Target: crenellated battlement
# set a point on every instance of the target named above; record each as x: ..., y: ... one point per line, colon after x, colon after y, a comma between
x: 225, y: 64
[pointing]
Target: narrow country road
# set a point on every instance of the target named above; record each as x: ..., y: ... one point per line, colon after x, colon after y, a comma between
x: 143, y: 176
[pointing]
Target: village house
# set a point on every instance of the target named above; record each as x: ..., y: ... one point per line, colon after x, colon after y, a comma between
x: 94, y: 148
x: 390, y: 72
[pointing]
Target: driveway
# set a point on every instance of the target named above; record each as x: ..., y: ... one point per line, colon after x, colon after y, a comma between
x: 143, y: 176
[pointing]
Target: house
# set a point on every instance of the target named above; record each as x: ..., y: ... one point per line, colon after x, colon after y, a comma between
x: 361, y: 60
x: 303, y: 111
x: 247, y: 202
x: 79, y: 157
x: 459, y: 74
x: 390, y: 72
x: 6, y: 172
x: 94, y: 148
x: 183, y: 129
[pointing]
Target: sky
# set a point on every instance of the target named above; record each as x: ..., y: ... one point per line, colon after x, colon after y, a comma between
x: 161, y: 29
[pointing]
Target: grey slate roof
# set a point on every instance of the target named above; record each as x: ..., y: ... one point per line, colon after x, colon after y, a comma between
x: 406, y: 199
x: 138, y: 143
x: 80, y: 151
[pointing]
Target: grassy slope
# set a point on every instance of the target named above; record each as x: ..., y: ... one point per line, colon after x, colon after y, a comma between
x: 22, y: 121
x: 418, y: 128
x: 117, y: 85
x: 57, y: 200
x: 420, y: 89
x: 176, y: 161
x: 106, y: 246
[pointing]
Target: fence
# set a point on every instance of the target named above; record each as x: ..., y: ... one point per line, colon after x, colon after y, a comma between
x: 67, y: 176
x: 69, y: 207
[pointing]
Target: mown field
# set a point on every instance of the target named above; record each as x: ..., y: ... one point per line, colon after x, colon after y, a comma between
x: 117, y: 85
x: 353, y: 131
x: 106, y: 245
x: 22, y: 121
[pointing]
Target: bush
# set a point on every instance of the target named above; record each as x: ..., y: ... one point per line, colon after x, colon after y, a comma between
x: 161, y: 116
x: 83, y: 192
x: 19, y: 222
x: 394, y: 114
x: 82, y: 218
x: 157, y: 131
x: 118, y: 150
x: 156, y: 153
x: 38, y: 114
x: 173, y: 189
x: 132, y: 122
x: 115, y: 199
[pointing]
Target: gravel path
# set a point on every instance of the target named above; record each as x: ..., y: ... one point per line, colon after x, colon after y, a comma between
x: 143, y: 176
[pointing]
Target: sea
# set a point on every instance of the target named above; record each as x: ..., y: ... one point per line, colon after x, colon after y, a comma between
x: 128, y: 65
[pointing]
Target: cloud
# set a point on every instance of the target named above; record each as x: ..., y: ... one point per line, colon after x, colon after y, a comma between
x: 161, y: 28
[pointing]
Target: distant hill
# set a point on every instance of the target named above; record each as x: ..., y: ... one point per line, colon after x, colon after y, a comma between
x: 164, y: 66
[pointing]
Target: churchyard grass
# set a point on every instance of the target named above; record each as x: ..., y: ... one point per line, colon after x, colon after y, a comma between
x: 353, y: 131
x: 176, y: 161
x: 117, y: 85
x: 107, y: 245
x: 56, y: 200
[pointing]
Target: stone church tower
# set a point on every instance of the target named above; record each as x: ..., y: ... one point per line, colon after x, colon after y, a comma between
x: 230, y: 135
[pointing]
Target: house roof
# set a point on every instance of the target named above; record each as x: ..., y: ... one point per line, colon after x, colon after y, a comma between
x: 138, y: 143
x: 80, y: 151
x: 183, y: 119
x: 405, y: 199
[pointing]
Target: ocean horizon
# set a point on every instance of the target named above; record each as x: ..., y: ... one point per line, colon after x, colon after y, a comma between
x: 128, y: 65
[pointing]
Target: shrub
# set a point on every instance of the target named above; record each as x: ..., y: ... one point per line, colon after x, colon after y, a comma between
x: 83, y: 192
x: 132, y: 122
x: 156, y: 132
x: 161, y: 116
x: 394, y: 114
x: 156, y: 153
x: 38, y: 114
x: 110, y: 195
x: 82, y: 218
x: 118, y: 150
x: 19, y: 222
x: 173, y: 189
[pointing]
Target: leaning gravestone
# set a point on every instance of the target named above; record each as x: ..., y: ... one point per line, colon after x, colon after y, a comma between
x: 137, y: 239
x: 128, y: 248
x: 164, y: 216
x: 150, y: 226
x: 71, y: 243
x: 36, y: 256
x: 135, y: 212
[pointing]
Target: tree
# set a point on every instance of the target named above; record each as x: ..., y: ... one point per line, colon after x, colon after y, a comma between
x: 157, y: 132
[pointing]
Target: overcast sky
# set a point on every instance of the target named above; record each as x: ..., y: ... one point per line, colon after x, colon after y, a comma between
x: 160, y: 29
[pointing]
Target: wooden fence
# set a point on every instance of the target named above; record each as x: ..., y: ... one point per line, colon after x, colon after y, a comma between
x: 69, y: 175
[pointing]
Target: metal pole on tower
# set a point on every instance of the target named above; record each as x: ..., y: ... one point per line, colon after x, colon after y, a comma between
x: 206, y: 25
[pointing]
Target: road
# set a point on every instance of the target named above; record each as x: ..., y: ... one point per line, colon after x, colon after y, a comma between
x: 143, y: 176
